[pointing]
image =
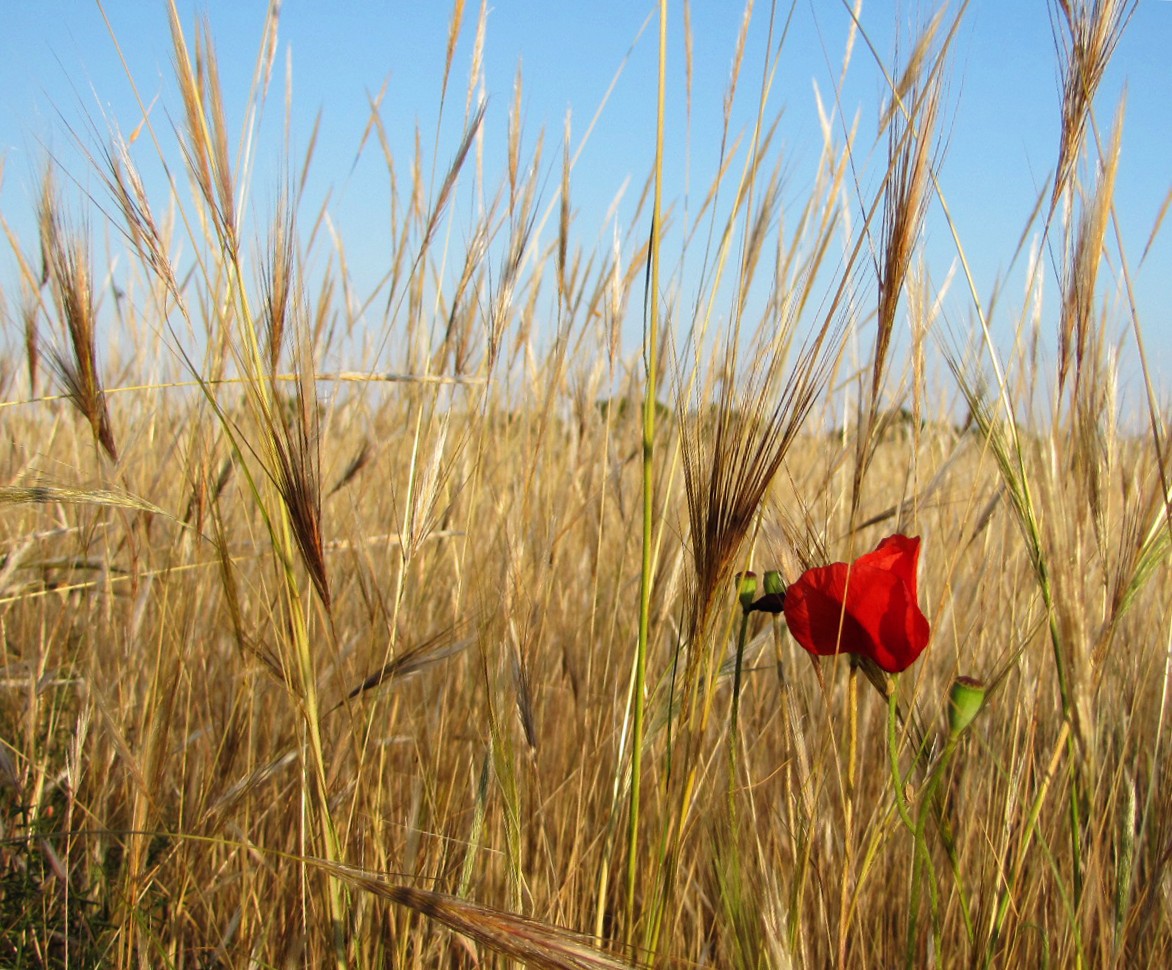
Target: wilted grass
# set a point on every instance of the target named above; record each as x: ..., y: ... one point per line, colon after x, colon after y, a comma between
x: 304, y: 664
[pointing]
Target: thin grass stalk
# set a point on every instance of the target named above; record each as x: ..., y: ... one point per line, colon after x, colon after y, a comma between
x: 651, y: 361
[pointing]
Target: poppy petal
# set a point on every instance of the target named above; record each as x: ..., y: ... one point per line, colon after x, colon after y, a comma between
x: 869, y: 608
x: 898, y: 554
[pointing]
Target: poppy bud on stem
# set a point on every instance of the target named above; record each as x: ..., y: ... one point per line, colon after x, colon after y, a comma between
x: 774, y: 599
x: 965, y: 700
x: 746, y: 589
x: 774, y: 584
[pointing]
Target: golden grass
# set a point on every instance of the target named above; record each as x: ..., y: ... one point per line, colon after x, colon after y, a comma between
x: 319, y: 665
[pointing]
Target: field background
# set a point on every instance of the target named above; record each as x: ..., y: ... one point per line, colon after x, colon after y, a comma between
x: 306, y: 663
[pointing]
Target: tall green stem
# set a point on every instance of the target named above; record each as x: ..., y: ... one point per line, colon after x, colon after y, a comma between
x: 651, y: 351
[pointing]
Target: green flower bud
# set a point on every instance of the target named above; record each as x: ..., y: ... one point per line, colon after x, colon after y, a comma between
x: 965, y: 700
x: 746, y: 589
x: 774, y: 584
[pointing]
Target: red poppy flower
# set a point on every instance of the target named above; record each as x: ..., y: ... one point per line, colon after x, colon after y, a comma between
x: 868, y: 608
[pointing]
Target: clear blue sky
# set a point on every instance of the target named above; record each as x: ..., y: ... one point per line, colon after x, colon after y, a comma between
x: 58, y: 66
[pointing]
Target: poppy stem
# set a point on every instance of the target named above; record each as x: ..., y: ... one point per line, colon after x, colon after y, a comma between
x: 897, y: 782
x: 922, y: 860
x: 931, y: 802
x: 734, y: 722
x: 800, y: 804
x: 849, y: 809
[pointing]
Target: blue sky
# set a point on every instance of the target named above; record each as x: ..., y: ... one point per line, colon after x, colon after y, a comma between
x: 59, y: 66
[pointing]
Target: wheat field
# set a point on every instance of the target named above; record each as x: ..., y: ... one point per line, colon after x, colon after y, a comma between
x: 442, y: 663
